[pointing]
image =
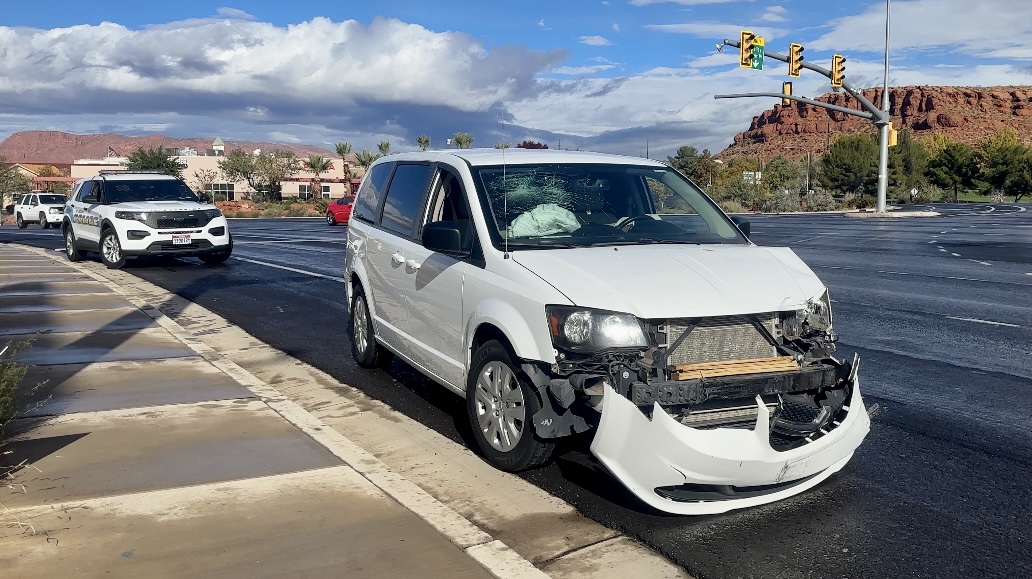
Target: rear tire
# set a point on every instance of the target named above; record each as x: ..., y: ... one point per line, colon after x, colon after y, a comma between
x: 20, y: 221
x: 71, y: 251
x: 364, y: 347
x: 111, y: 250
x: 501, y: 405
x: 43, y: 223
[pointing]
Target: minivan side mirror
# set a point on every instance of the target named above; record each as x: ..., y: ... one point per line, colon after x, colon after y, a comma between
x: 743, y: 224
x: 442, y: 237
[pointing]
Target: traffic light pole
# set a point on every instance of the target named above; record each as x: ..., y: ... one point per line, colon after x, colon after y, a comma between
x: 878, y: 116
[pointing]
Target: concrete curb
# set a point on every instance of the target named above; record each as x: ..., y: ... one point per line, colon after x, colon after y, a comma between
x: 492, y: 554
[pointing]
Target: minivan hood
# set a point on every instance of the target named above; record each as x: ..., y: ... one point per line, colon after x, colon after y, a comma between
x: 677, y: 281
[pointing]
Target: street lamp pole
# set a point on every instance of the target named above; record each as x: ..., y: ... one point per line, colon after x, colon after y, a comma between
x: 883, y: 136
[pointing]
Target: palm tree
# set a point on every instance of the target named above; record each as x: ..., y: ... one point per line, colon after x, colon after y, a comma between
x: 318, y: 165
x: 365, y: 158
x: 385, y: 148
x: 423, y: 141
x: 343, y: 150
x: 463, y: 140
x: 501, y: 145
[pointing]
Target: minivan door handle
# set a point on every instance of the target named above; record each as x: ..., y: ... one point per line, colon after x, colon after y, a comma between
x: 412, y: 264
x: 398, y: 258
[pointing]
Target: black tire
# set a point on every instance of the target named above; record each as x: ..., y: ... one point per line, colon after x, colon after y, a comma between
x: 21, y: 222
x: 330, y: 218
x: 111, y: 249
x: 218, y: 257
x: 43, y: 223
x: 71, y: 250
x: 529, y: 451
x: 364, y: 347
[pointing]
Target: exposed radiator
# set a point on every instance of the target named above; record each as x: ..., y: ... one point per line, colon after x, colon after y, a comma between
x: 716, y: 339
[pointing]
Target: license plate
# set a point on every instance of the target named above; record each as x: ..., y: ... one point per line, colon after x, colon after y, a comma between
x: 180, y: 240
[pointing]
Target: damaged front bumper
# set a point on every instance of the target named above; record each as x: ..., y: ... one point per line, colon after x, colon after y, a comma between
x: 683, y: 470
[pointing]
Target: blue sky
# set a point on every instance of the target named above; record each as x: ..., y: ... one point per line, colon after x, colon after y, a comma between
x: 601, y: 75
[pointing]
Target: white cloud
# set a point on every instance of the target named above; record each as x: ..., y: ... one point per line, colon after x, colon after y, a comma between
x: 987, y: 28
x: 234, y: 13
x: 775, y: 14
x: 582, y: 70
x: 541, y: 23
x: 683, y: 2
x: 595, y: 41
x: 717, y: 30
x: 616, y: 27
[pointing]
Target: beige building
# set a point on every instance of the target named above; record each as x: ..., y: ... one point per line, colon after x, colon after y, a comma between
x: 333, y: 183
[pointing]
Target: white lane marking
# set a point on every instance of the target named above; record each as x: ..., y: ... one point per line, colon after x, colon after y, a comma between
x: 942, y: 249
x: 979, y: 261
x: 293, y: 269
x: 954, y: 254
x: 932, y: 241
x: 978, y: 321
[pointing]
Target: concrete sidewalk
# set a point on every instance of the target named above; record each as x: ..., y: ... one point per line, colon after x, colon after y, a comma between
x: 172, y: 443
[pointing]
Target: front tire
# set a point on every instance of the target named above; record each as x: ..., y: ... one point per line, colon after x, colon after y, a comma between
x: 71, y: 251
x: 20, y: 221
x: 43, y: 223
x: 364, y: 347
x: 111, y: 250
x: 218, y: 257
x: 501, y: 405
x: 330, y: 219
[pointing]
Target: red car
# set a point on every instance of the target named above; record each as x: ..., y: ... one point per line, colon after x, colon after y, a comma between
x: 339, y: 211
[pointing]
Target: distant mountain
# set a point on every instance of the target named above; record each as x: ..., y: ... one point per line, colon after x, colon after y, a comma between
x: 968, y: 114
x: 57, y: 148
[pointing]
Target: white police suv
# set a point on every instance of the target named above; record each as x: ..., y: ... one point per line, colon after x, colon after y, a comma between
x: 128, y: 214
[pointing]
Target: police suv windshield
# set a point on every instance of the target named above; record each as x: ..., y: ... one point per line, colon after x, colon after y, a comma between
x: 579, y: 205
x: 125, y: 191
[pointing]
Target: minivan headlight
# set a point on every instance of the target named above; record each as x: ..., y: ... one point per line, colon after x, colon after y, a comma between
x: 815, y: 318
x: 587, y: 330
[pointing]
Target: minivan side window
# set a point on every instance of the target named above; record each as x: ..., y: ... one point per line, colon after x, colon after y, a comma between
x: 405, y: 199
x: 371, y: 192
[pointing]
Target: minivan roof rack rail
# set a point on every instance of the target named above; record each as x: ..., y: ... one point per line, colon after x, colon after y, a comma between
x: 122, y: 172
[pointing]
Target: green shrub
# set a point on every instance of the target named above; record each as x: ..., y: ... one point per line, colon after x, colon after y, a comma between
x: 782, y: 202
x: 11, y: 374
x: 732, y: 206
x: 820, y: 201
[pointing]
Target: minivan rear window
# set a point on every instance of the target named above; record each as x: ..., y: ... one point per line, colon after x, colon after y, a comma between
x: 405, y: 198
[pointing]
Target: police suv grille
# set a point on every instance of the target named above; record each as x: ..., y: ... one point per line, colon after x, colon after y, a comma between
x: 723, y: 338
x: 177, y: 219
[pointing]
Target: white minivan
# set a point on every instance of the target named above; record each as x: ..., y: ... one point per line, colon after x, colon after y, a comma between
x: 561, y: 292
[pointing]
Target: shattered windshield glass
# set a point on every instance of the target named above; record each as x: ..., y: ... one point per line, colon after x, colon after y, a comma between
x: 580, y: 205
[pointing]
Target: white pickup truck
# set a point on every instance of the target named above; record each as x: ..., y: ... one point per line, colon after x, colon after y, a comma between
x: 47, y: 209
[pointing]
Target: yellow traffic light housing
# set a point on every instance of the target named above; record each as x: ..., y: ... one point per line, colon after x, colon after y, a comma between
x: 786, y: 88
x: 838, y: 70
x: 893, y: 136
x: 745, y: 49
x: 795, y: 59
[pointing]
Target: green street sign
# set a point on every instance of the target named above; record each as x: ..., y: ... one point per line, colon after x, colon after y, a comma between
x: 757, y: 53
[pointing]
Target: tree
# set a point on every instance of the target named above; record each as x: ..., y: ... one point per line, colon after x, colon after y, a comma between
x: 501, y: 145
x: 908, y: 162
x: 385, y: 148
x: 531, y: 145
x: 11, y: 180
x: 999, y: 158
x: 205, y: 179
x: 52, y: 171
x: 239, y: 166
x: 317, y: 164
x: 851, y: 165
x: 686, y: 160
x: 781, y: 173
x: 423, y: 141
x: 953, y: 167
x: 343, y: 150
x: 157, y: 159
x: 365, y: 158
x: 275, y: 167
x: 463, y: 140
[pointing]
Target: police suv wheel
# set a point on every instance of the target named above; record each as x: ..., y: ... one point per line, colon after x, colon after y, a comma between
x: 111, y: 250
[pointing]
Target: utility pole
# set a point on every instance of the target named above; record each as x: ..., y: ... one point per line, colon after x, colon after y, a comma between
x: 883, y: 132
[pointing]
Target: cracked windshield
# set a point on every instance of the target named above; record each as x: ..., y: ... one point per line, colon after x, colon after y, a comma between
x: 549, y: 205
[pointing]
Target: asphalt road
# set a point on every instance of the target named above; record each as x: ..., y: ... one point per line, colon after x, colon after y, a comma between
x: 939, y: 308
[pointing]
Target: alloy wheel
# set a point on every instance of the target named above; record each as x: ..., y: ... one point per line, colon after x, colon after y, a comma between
x: 361, y: 326
x: 501, y: 409
x: 112, y: 249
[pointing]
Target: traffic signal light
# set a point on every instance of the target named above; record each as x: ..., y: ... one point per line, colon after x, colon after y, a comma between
x: 745, y: 49
x: 786, y: 88
x: 795, y: 59
x: 838, y: 70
